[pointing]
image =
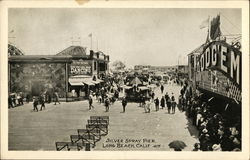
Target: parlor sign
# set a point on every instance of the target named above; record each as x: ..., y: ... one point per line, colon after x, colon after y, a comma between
x: 80, y: 67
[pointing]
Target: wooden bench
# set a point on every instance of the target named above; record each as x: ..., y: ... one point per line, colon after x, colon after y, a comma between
x: 78, y: 138
x: 87, y: 136
x: 69, y: 146
x: 98, y: 121
x: 61, y: 146
x: 72, y: 146
x: 102, y: 127
x: 100, y: 118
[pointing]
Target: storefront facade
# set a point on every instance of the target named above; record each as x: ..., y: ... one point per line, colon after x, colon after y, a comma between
x: 33, y: 74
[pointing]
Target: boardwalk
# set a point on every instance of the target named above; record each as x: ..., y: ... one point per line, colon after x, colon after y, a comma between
x: 30, y: 130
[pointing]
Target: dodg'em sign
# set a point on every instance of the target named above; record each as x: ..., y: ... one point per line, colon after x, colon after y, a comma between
x: 223, y: 57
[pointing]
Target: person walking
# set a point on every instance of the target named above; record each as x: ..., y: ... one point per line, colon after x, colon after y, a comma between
x: 27, y: 98
x: 124, y: 104
x: 42, y: 102
x: 35, y: 103
x: 10, y: 102
x: 149, y: 106
x: 162, y: 89
x: 56, y: 98
x: 157, y: 102
x: 173, y: 104
x: 100, y: 99
x: 90, y: 102
x: 162, y: 102
x: 107, y: 103
x: 153, y: 95
x: 169, y: 105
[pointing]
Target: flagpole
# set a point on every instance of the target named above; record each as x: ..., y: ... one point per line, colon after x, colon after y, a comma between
x: 208, y: 30
x: 91, y: 40
x: 97, y: 44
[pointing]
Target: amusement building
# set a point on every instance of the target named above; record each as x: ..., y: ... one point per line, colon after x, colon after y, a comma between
x: 71, y: 72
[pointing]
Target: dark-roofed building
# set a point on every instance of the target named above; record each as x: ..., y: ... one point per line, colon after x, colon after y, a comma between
x: 14, y: 51
x: 70, y: 69
x: 73, y: 51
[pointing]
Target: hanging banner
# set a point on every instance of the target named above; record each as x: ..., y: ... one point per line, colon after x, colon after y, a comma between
x: 219, y: 55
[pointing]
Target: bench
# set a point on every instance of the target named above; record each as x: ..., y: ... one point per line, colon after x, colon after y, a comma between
x: 61, y: 145
x: 87, y: 136
x: 92, y: 131
x: 98, y: 121
x: 100, y: 118
x: 69, y: 146
x: 75, y: 146
x: 102, y: 127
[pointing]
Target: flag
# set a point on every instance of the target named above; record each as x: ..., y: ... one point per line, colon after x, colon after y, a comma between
x: 204, y: 23
x: 215, y: 28
x: 90, y: 35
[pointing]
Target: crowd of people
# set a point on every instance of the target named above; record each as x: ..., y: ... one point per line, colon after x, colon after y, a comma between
x: 166, y: 101
x: 107, y: 95
x: 216, y: 131
x: 17, y: 99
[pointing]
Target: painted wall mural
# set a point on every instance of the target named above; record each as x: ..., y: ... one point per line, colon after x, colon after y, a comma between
x: 34, y: 78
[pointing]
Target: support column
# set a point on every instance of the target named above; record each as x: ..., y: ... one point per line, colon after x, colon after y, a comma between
x: 66, y: 80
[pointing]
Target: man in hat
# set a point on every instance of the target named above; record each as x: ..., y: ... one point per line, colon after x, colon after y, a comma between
x: 107, y: 103
x: 173, y: 103
x: 56, y: 98
x: 157, y: 102
x: 90, y: 102
x: 42, y: 101
x: 162, y: 89
x: 124, y: 104
x: 166, y: 97
x: 162, y: 102
x: 35, y: 103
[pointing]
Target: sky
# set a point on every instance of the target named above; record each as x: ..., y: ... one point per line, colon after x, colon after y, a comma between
x: 159, y: 36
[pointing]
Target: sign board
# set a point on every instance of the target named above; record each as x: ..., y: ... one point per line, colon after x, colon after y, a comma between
x: 217, y: 82
x: 218, y: 69
x: 219, y: 55
x: 80, y: 67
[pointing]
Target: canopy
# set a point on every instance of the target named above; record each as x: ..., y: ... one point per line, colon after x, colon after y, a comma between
x: 89, y: 83
x: 135, y: 81
x: 143, y: 88
x: 76, y: 84
x: 127, y: 87
x: 95, y: 82
x: 152, y: 86
x: 78, y: 80
x: 99, y: 80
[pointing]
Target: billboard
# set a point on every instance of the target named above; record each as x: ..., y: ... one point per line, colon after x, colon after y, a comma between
x: 218, y: 69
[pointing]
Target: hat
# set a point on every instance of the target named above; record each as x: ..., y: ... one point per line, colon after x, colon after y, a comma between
x: 236, y: 149
x: 216, y: 147
x: 204, y: 130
